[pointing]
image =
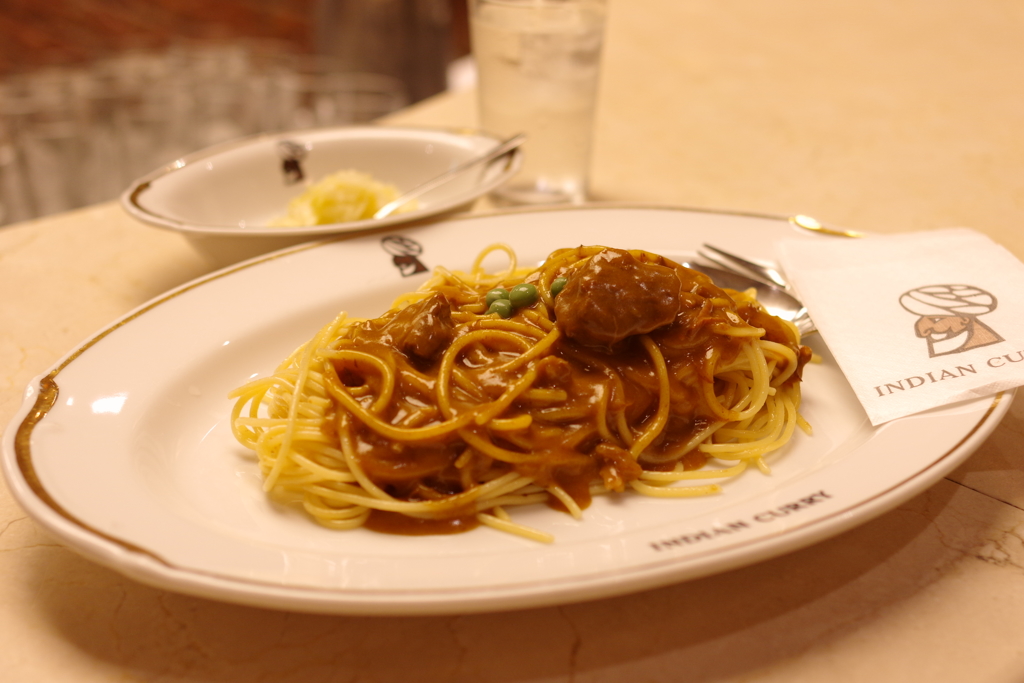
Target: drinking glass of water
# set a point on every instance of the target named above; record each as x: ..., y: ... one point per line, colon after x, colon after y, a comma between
x: 538, y: 64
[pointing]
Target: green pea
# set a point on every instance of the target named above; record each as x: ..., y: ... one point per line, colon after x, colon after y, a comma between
x: 495, y: 294
x: 557, y: 285
x: 522, y: 295
x: 503, y: 307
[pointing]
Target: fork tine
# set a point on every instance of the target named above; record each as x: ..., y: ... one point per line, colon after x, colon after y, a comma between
x: 754, y: 271
x: 763, y: 272
x: 734, y: 268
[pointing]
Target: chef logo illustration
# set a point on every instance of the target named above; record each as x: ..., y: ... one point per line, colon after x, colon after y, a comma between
x: 292, y: 154
x: 404, y: 253
x: 949, y: 317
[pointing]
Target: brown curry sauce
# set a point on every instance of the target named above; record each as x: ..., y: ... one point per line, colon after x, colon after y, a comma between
x: 608, y: 301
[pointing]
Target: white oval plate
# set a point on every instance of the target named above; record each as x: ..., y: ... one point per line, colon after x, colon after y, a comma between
x: 124, y: 450
x: 237, y: 188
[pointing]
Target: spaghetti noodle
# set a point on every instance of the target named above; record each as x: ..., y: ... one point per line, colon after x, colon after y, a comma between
x: 603, y: 370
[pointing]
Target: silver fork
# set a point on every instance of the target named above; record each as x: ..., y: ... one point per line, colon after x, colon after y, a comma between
x: 772, y: 288
x: 756, y: 270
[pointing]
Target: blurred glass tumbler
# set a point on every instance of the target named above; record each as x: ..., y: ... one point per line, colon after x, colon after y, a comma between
x: 538, y: 64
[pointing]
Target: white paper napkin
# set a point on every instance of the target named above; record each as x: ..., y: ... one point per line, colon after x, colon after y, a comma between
x: 915, y: 320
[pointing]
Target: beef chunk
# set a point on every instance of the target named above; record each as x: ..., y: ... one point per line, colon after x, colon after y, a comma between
x: 615, y: 295
x: 423, y: 329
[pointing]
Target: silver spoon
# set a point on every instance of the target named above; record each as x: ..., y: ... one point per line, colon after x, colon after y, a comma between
x: 779, y: 302
x: 506, y: 147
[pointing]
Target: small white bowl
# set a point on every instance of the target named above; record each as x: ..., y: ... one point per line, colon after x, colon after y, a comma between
x: 224, y: 197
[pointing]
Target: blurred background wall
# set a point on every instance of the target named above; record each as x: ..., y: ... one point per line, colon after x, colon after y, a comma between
x: 94, y: 93
x: 37, y: 33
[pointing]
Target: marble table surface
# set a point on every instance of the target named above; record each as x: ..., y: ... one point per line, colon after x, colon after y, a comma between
x: 879, y: 116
